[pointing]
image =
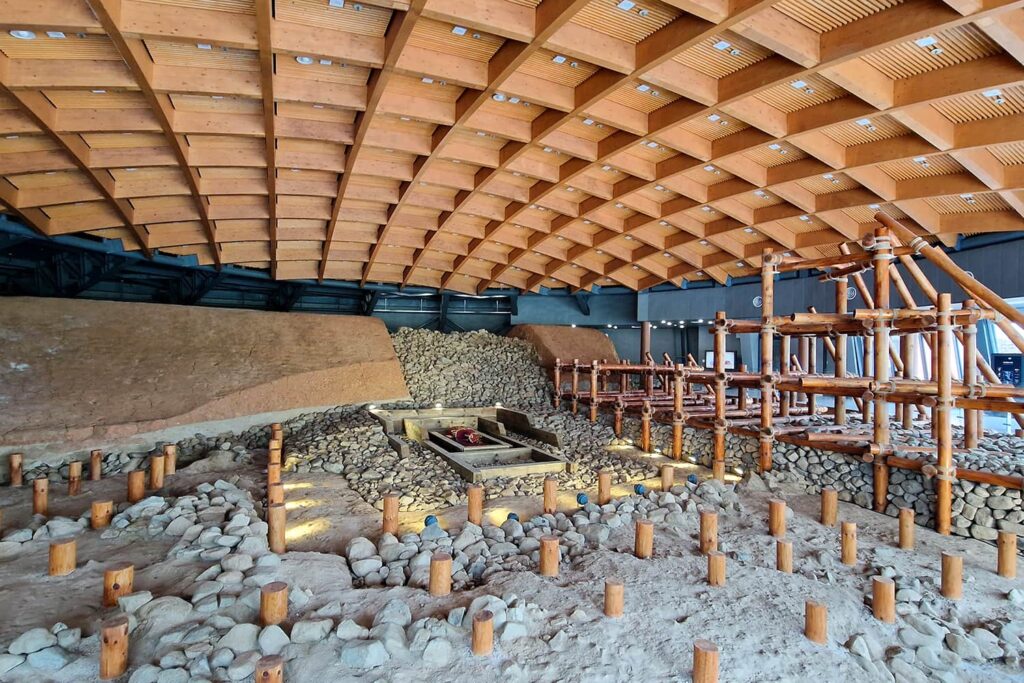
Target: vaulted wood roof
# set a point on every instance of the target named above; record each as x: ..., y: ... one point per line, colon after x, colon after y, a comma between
x: 521, y: 143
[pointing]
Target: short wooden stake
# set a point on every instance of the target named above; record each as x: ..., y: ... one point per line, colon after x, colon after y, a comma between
x: 475, y: 496
x: 63, y: 556
x: 14, y: 464
x: 114, y: 647
x: 716, y: 568
x: 952, y: 576
x: 270, y: 669
x: 102, y: 511
x: 550, y: 495
x: 170, y: 458
x: 906, y: 528
x: 604, y: 487
x: 440, y: 575
x: 273, y: 603
x: 705, y: 662
x: 708, y: 531
x: 550, y: 556
x: 156, y: 472
x: 816, y: 622
x: 614, y: 598
x: 275, y: 494
x: 273, y: 473
x: 277, y: 521
x: 483, y: 633
x: 40, y: 494
x: 848, y: 543
x: 829, y: 506
x: 883, y: 599
x: 389, y: 519
x: 136, y: 486
x: 118, y: 580
x: 777, y: 517
x: 668, y: 476
x: 1006, y: 548
x: 74, y: 478
x: 784, y: 556
x: 643, y: 546
x: 95, y: 465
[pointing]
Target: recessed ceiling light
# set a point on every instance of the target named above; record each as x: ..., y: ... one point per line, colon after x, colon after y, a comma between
x: 427, y: 80
x: 874, y: 207
x: 643, y: 87
x: 336, y: 3
x: 663, y: 224
x: 805, y: 218
x: 600, y: 251
x: 775, y: 145
x: 626, y: 5
x: 498, y: 97
x: 326, y: 62
x: 799, y: 85
x: 22, y: 35
x: 548, y: 150
x: 629, y: 237
x: 653, y: 145
x: 303, y: 59
x: 667, y: 255
x: 513, y: 100
x: 713, y: 117
x: 99, y: 92
x: 55, y: 34
x: 927, y: 41
x: 863, y: 122
x: 588, y: 122
x: 710, y: 169
x: 606, y: 167
x: 703, y: 243
x: 559, y: 59
x: 749, y: 231
x: 740, y: 264
x: 459, y: 30
x: 204, y: 46
x: 722, y: 45
x: 994, y: 92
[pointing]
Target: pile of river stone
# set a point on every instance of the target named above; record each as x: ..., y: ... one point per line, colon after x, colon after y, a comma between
x: 478, y: 552
x: 470, y: 369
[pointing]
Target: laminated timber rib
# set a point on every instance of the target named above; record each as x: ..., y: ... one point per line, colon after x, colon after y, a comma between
x: 510, y: 143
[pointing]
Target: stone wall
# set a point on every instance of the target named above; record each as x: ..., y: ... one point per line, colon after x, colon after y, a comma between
x: 82, y: 374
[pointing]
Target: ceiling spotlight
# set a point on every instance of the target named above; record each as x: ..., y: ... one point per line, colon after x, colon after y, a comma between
x: 55, y: 34
x: 626, y: 5
x: 22, y: 35
x: 799, y: 85
x: 874, y: 207
x: 619, y: 205
x: 588, y: 122
x: 969, y: 198
x: 659, y: 188
x: 325, y: 62
x: 734, y: 52
x: 703, y: 243
x: 459, y: 30
x: 304, y: 59
x: 548, y: 150
x: 427, y: 79
x: 653, y: 145
x: 663, y: 224
x: 498, y: 97
x: 574, y: 65
x: 629, y: 238
x: 204, y: 46
x: 606, y: 167
x: 643, y: 87
x: 740, y: 264
x: 559, y: 59
x: 749, y: 231
x: 513, y: 100
x: 336, y: 3
x: 805, y: 218
x: 722, y: 45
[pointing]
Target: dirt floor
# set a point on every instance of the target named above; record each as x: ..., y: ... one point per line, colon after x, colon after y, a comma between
x: 756, y: 619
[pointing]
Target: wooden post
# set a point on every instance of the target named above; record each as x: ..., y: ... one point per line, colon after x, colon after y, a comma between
x: 114, y: 647
x: 156, y: 472
x: 812, y: 369
x: 677, y: 413
x: 777, y: 517
x: 170, y: 458
x: 270, y: 669
x: 906, y: 528
x: 593, y: 391
x: 618, y: 419
x: 118, y: 580
x: 483, y: 633
x: 643, y: 545
x: 943, y: 421
x: 839, y: 357
x: 273, y: 603
x: 14, y: 465
x: 906, y: 416
x: 741, y: 392
x: 63, y: 556
x: 881, y: 258
x: 550, y: 556
x: 645, y: 427
x: 716, y: 568
x: 440, y: 575
x: 475, y: 497
x: 766, y: 436
x: 95, y: 465
x: 102, y: 511
x: 969, y: 337
x: 575, y: 385
x: 708, y: 531
x: 718, y: 464
x: 604, y: 487
x: 275, y: 494
x: 389, y: 522
x: 848, y: 543
x: 40, y: 494
x: 784, y: 556
x: 276, y: 523
x: 74, y: 478
x: 550, y: 495
x: 829, y: 506
x: 883, y: 599
x: 136, y: 486
x: 274, y: 457
x: 614, y: 598
x: 784, y: 366
x: 803, y: 349
x: 645, y: 353
x: 668, y: 476
x: 952, y: 576
x: 557, y: 399
x: 816, y: 622
x: 1006, y: 548
x: 705, y: 662
x: 273, y: 473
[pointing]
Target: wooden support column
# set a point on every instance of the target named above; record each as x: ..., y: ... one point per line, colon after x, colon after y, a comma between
x: 839, y: 356
x: 869, y: 371
x: 475, y: 498
x: 114, y: 647
x: 718, y: 464
x: 575, y: 400
x: 389, y: 517
x: 14, y: 465
x: 95, y: 465
x: 558, y: 383
x: 907, y: 356
x: 803, y: 351
x: 784, y: 367
x: 74, y: 478
x: 769, y: 265
x: 882, y: 255
x: 812, y: 369
x: 943, y: 409
x: 645, y: 353
x: 969, y: 335
x: 934, y: 374
x: 619, y: 408
x: 593, y: 392
x: 677, y: 413
x: 40, y: 495
x: 645, y: 427
x: 741, y: 392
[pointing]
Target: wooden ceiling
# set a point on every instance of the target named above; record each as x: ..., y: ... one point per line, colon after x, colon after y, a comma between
x: 509, y: 143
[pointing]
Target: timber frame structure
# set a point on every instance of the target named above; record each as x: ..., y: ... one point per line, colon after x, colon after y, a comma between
x: 889, y: 374
x: 510, y: 143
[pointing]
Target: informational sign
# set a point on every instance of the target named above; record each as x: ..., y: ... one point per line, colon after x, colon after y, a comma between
x: 730, y: 360
x: 1008, y: 367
